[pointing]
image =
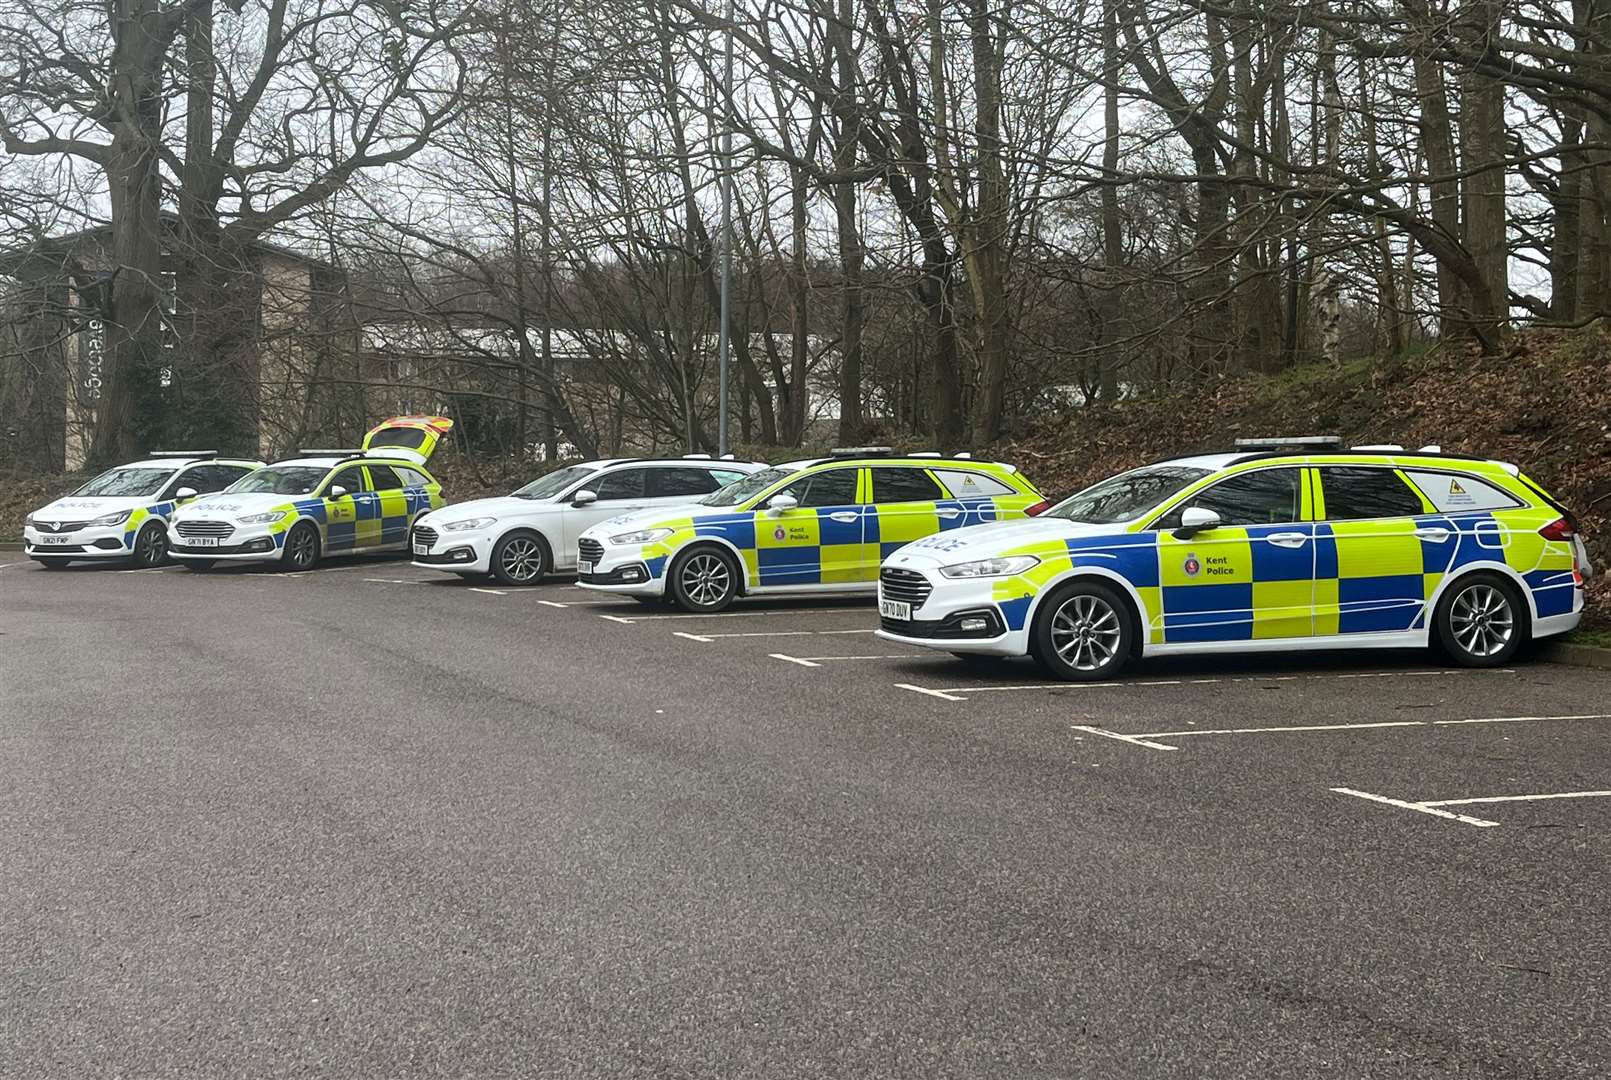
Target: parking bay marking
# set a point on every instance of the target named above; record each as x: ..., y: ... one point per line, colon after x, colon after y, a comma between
x: 818, y: 661
x: 1434, y: 807
x: 629, y: 620
x: 1195, y: 682
x: 1150, y: 739
x: 708, y: 638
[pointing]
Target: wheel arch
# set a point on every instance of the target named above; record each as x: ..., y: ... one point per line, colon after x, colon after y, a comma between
x: 1504, y: 570
x: 1137, y: 607
x: 721, y: 543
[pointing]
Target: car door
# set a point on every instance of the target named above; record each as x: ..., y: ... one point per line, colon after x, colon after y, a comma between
x: 341, y: 511
x: 908, y: 504
x: 619, y: 491
x: 1373, y: 556
x: 1250, y: 578
x: 820, y: 541
x: 390, y: 528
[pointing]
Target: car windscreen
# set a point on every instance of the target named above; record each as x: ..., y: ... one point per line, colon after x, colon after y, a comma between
x: 1127, y: 496
x: 746, y: 487
x: 125, y: 483
x: 546, y: 487
x: 279, y: 480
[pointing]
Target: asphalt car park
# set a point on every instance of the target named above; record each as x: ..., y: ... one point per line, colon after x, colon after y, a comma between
x: 378, y: 820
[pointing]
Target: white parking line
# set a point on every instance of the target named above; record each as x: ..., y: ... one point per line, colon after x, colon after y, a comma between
x: 941, y: 694
x: 726, y: 614
x: 838, y: 659
x: 1420, y: 808
x: 489, y: 592
x: 1206, y: 681
x: 793, y: 659
x: 1146, y: 738
x: 392, y: 581
x: 1106, y: 734
x: 707, y: 638
x: 1519, y: 798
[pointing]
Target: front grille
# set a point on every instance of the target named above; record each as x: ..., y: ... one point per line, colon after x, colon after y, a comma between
x: 905, y: 586
x: 59, y: 526
x: 424, y: 535
x: 590, y: 550
x: 220, y: 529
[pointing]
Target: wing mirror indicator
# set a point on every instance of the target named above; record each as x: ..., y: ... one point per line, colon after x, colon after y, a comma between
x: 1194, y: 520
x: 585, y: 497
x: 783, y: 503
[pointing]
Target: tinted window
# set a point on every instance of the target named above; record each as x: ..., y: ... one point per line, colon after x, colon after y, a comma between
x: 623, y: 484
x: 970, y: 485
x: 122, y: 482
x: 664, y: 483
x: 407, y: 438
x: 1367, y: 493
x: 837, y: 487
x: 1266, y: 497
x: 385, y: 478
x: 904, y: 485
x: 279, y: 480
x: 351, y: 478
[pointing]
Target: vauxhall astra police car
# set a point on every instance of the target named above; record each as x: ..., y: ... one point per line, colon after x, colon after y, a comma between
x: 123, y: 513
x: 519, y: 538
x: 818, y: 526
x: 336, y: 502
x: 1256, y: 550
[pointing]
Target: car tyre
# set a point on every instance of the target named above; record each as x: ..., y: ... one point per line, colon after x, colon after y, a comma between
x: 704, y: 580
x: 301, y: 548
x: 150, y: 546
x: 1481, y: 621
x: 521, y: 558
x: 1083, y: 632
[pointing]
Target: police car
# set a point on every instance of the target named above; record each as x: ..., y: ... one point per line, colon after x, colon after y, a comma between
x: 521, y: 537
x: 1287, y: 544
x: 327, y: 502
x: 123, y: 513
x: 815, y: 526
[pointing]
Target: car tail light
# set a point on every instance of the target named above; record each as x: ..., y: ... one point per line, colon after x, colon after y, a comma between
x: 1038, y: 509
x: 1559, y: 529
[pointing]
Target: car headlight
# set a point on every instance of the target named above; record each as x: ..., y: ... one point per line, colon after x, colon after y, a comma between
x: 112, y: 519
x: 1005, y: 567
x: 466, y: 524
x: 642, y: 536
x: 262, y: 519
x: 27, y: 519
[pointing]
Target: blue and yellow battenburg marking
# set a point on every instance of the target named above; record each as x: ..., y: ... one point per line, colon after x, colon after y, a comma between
x: 361, y: 520
x: 1303, y: 579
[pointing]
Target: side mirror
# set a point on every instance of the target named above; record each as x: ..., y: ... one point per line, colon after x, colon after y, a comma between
x: 185, y: 493
x: 1194, y: 520
x: 779, y: 504
x: 338, y: 492
x: 584, y: 497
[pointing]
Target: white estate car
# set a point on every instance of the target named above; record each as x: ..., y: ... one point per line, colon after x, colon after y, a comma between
x: 123, y: 513
x: 521, y: 537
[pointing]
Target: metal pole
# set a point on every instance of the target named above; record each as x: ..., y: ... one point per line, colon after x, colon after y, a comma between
x: 723, y: 344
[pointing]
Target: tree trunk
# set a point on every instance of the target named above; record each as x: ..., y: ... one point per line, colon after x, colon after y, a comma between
x: 851, y: 253
x: 987, y: 264
x: 1482, y: 135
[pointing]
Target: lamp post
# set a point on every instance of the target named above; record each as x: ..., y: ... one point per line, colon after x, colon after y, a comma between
x: 724, y: 343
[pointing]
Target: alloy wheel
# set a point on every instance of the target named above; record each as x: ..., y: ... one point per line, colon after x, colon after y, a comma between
x: 706, y: 579
x: 151, y: 547
x: 1086, y: 632
x: 1482, y: 620
x: 522, y: 559
x: 299, y: 548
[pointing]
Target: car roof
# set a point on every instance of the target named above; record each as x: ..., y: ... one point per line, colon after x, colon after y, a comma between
x: 181, y: 462
x: 1364, y: 456
x: 909, y: 461
x: 695, y: 461
x: 331, y: 461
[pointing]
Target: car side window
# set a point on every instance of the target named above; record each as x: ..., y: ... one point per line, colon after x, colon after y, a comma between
x: 1265, y: 497
x: 836, y: 487
x: 971, y: 485
x: 385, y: 478
x: 899, y: 485
x: 723, y: 477
x: 1357, y: 494
x: 622, y: 484
x: 664, y: 483
x: 351, y: 478
x: 228, y: 474
x: 411, y: 478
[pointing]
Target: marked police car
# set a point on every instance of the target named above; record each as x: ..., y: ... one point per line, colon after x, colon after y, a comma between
x: 123, y: 513
x: 816, y: 526
x: 327, y: 502
x: 519, y: 538
x: 1289, y: 544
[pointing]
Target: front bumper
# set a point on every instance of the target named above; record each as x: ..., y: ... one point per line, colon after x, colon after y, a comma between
x: 250, y: 543
x: 626, y: 570
x: 958, y: 616
x: 458, y: 552
x: 90, y: 542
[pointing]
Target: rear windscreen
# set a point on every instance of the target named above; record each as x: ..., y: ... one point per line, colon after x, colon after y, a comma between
x: 407, y: 438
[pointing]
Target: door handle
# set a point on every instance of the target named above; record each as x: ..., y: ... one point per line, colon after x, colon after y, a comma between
x: 1288, y: 540
x: 1434, y: 534
x: 948, y: 512
x: 845, y: 515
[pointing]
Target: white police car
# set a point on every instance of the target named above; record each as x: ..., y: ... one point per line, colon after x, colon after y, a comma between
x: 123, y: 513
x: 521, y: 537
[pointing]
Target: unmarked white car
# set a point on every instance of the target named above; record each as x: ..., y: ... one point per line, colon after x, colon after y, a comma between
x: 519, y: 538
x: 123, y: 513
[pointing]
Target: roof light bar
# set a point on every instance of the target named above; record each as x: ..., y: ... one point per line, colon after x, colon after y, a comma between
x: 184, y: 453
x: 1297, y: 442
x: 326, y: 451
x: 861, y: 451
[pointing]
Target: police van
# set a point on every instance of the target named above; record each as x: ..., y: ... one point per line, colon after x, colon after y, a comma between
x: 1285, y: 544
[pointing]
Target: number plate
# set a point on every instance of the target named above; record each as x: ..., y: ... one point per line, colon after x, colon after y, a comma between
x: 55, y: 540
x: 895, y: 609
x: 422, y: 549
x: 201, y: 541
x: 584, y: 567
